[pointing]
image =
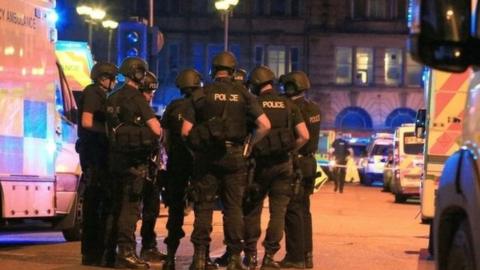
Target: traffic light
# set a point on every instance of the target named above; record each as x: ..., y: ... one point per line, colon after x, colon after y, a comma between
x: 132, y: 40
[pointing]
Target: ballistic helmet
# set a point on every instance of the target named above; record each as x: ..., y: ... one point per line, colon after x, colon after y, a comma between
x: 261, y: 75
x: 103, y: 69
x: 224, y: 61
x: 150, y: 83
x: 240, y: 75
x: 295, y: 82
x: 134, y: 68
x: 187, y: 80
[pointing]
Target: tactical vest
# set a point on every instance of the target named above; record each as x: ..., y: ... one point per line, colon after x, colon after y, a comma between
x: 281, y: 139
x: 220, y: 118
x: 311, y: 115
x: 127, y: 132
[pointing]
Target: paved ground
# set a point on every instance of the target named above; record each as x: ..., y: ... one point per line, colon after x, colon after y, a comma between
x: 361, y: 229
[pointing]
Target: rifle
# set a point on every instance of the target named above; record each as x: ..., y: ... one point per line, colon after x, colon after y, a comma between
x: 252, y: 194
x: 247, y: 146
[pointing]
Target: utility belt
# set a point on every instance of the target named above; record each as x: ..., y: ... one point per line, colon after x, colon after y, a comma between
x: 307, y: 164
x: 130, y: 138
x: 277, y: 142
x: 211, y: 134
x: 305, y: 155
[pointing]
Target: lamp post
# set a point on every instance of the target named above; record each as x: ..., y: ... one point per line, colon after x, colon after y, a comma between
x: 225, y: 6
x: 92, y: 16
x: 110, y: 25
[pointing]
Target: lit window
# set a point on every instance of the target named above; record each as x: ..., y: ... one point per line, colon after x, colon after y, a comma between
x: 393, y: 66
x: 343, y: 59
x: 276, y: 59
x: 364, y: 66
x: 414, y: 73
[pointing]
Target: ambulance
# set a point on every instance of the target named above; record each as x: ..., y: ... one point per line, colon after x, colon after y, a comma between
x: 407, y: 163
x: 444, y: 35
x: 446, y: 96
x: 39, y: 168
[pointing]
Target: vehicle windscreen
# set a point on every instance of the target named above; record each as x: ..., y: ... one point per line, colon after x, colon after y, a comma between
x: 381, y: 149
x: 412, y: 145
x: 359, y: 150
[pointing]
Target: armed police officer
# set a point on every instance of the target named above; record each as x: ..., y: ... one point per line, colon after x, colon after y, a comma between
x: 133, y: 131
x: 180, y: 160
x: 92, y: 146
x: 151, y: 188
x: 298, y: 221
x: 220, y: 119
x: 274, y: 168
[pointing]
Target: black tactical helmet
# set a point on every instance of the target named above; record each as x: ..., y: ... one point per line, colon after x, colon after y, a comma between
x: 224, y: 61
x: 103, y: 69
x: 150, y: 83
x: 295, y: 82
x: 188, y: 78
x: 240, y: 75
x: 261, y: 75
x: 134, y: 68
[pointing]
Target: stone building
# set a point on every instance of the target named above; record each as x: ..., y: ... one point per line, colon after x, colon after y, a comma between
x: 353, y: 50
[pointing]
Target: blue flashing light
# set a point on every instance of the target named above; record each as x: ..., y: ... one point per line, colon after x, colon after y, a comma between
x: 52, y: 16
x: 132, y: 52
x: 133, y: 37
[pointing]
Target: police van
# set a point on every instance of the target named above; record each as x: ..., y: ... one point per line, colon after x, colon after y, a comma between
x: 39, y: 167
x: 407, y: 163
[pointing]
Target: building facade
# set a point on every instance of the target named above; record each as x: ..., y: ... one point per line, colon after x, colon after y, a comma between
x: 353, y: 50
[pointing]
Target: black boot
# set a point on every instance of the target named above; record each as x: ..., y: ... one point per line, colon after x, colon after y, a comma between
x: 250, y: 260
x: 235, y: 263
x: 169, y: 263
x: 199, y: 255
x: 152, y: 255
x: 209, y: 264
x: 222, y: 261
x: 269, y: 263
x: 309, y: 260
x: 108, y: 258
x: 287, y: 263
x: 127, y: 258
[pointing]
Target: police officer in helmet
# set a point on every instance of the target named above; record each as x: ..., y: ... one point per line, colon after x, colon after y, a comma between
x: 219, y: 167
x: 298, y: 221
x: 274, y: 168
x: 92, y: 146
x: 151, y: 189
x: 133, y: 132
x: 180, y: 160
x: 240, y: 76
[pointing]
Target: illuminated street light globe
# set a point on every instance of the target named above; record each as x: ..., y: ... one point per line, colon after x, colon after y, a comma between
x: 97, y: 14
x: 232, y: 2
x: 84, y: 10
x: 222, y: 5
x: 110, y: 24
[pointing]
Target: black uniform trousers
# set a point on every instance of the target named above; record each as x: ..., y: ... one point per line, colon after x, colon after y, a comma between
x: 179, y: 171
x: 339, y: 175
x: 93, y: 160
x: 150, y: 212
x: 128, y: 181
x: 224, y: 174
x: 298, y: 220
x: 275, y: 180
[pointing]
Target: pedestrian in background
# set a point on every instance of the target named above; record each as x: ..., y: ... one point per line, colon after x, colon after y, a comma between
x: 340, y: 152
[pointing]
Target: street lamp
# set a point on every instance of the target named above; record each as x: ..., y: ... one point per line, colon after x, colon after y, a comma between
x: 225, y: 6
x: 110, y: 25
x: 92, y: 15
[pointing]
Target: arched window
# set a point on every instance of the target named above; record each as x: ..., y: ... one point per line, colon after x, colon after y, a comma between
x: 400, y: 116
x: 353, y: 118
